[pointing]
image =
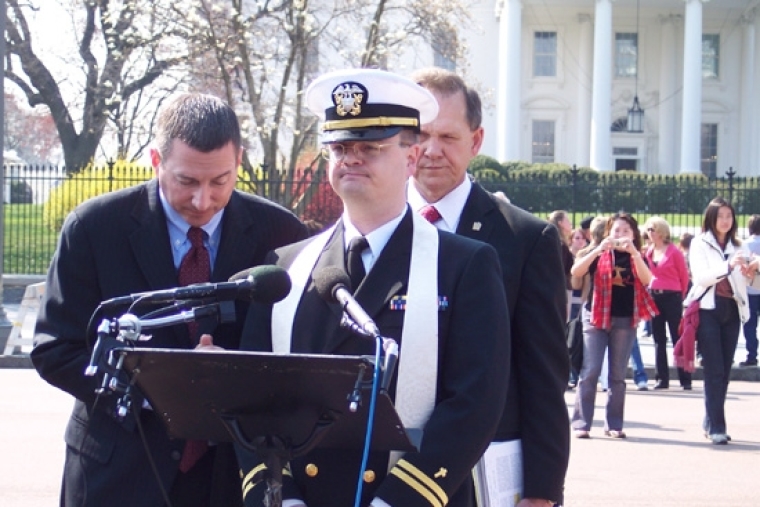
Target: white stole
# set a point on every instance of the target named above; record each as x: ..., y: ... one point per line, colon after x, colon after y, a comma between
x: 418, y: 355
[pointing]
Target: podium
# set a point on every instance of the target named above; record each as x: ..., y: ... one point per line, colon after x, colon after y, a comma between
x: 278, y: 405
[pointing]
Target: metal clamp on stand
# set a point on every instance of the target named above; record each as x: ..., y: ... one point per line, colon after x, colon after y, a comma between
x: 118, y: 335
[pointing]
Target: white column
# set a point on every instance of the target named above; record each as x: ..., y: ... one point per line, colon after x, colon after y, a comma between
x: 585, y: 64
x: 749, y: 87
x: 510, y: 64
x: 755, y: 167
x: 601, y: 108
x: 691, y: 118
x: 666, y: 159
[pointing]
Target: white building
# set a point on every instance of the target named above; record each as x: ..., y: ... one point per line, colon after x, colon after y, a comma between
x: 562, y: 75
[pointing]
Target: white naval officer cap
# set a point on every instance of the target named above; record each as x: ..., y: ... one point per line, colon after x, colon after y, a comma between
x: 368, y: 104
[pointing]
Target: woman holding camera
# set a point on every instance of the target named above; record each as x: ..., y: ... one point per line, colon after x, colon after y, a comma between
x: 618, y: 301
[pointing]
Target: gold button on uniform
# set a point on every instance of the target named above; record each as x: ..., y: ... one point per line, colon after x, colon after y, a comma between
x: 369, y: 476
x: 312, y: 470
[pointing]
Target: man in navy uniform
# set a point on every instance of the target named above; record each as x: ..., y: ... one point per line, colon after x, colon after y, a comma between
x: 439, y: 295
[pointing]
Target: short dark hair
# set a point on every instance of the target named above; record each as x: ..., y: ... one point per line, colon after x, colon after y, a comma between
x: 685, y: 241
x: 447, y: 83
x: 204, y: 122
x: 711, y: 219
x: 753, y: 225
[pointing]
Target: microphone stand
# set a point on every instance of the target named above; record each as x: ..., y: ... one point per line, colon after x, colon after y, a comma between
x: 385, y: 359
x: 123, y: 332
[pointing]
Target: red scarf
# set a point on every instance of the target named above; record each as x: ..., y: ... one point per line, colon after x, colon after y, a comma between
x: 644, y: 307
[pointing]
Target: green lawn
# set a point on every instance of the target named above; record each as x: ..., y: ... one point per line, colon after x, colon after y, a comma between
x: 29, y: 244
x: 673, y: 219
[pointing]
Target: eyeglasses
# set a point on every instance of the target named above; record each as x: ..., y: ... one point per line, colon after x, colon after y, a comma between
x: 362, y: 150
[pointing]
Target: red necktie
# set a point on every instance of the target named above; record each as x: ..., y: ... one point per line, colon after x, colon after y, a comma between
x: 194, y: 268
x: 430, y: 214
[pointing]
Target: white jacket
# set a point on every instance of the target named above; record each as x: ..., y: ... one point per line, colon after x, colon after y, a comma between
x: 709, y: 265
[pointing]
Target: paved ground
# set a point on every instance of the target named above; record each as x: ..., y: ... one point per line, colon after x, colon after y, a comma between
x: 665, y: 461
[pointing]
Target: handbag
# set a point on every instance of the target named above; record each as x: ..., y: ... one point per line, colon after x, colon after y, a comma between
x: 575, y: 342
x: 685, y: 350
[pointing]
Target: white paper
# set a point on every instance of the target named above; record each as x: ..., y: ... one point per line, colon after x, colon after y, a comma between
x: 498, y: 475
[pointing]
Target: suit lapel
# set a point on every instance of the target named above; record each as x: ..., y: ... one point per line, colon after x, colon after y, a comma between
x: 476, y: 222
x: 238, y: 240
x: 326, y: 319
x: 150, y: 241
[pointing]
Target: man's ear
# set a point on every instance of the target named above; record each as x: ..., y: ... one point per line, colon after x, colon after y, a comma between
x: 155, y: 159
x: 413, y: 155
x: 477, y: 141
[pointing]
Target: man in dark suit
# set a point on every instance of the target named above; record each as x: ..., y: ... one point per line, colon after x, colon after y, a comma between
x: 436, y: 294
x: 529, y: 252
x: 131, y: 241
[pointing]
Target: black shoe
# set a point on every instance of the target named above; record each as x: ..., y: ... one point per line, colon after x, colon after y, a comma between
x: 661, y: 385
x: 748, y: 362
x: 687, y: 387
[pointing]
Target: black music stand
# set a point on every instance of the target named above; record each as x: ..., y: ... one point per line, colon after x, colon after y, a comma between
x: 279, y: 406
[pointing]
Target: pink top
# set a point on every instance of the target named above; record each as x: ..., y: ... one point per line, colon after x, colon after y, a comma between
x: 670, y: 273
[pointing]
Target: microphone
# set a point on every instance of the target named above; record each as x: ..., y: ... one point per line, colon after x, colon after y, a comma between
x: 332, y: 285
x: 263, y: 284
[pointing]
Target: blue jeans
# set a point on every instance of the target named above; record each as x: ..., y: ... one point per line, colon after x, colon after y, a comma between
x: 617, y: 342
x: 717, y: 336
x: 639, y: 373
x: 750, y: 327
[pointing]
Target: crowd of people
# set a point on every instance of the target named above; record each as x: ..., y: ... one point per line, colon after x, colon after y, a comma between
x: 618, y: 281
x: 475, y: 291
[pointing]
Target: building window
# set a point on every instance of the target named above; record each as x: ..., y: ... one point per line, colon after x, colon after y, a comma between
x: 543, y: 142
x: 710, y: 56
x: 625, y: 152
x: 626, y: 54
x: 709, y: 149
x: 545, y: 54
x: 620, y: 125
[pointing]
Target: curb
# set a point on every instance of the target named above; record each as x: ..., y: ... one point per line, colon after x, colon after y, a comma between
x: 19, y: 361
x: 751, y: 374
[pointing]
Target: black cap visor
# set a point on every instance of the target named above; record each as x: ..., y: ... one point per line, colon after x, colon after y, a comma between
x: 363, y: 134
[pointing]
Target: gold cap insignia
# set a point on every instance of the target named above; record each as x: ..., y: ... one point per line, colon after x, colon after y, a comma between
x: 348, y: 98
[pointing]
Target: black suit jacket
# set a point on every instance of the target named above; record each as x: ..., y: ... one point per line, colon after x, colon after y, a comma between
x: 473, y: 367
x: 534, y: 280
x: 110, y: 246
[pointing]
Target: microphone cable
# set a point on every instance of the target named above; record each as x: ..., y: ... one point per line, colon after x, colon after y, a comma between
x: 370, y: 420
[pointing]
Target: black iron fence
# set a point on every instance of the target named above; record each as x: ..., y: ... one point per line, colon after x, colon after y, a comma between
x: 37, y: 199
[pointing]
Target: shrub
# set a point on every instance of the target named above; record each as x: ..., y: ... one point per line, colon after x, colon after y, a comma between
x: 88, y: 183
x: 96, y: 180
